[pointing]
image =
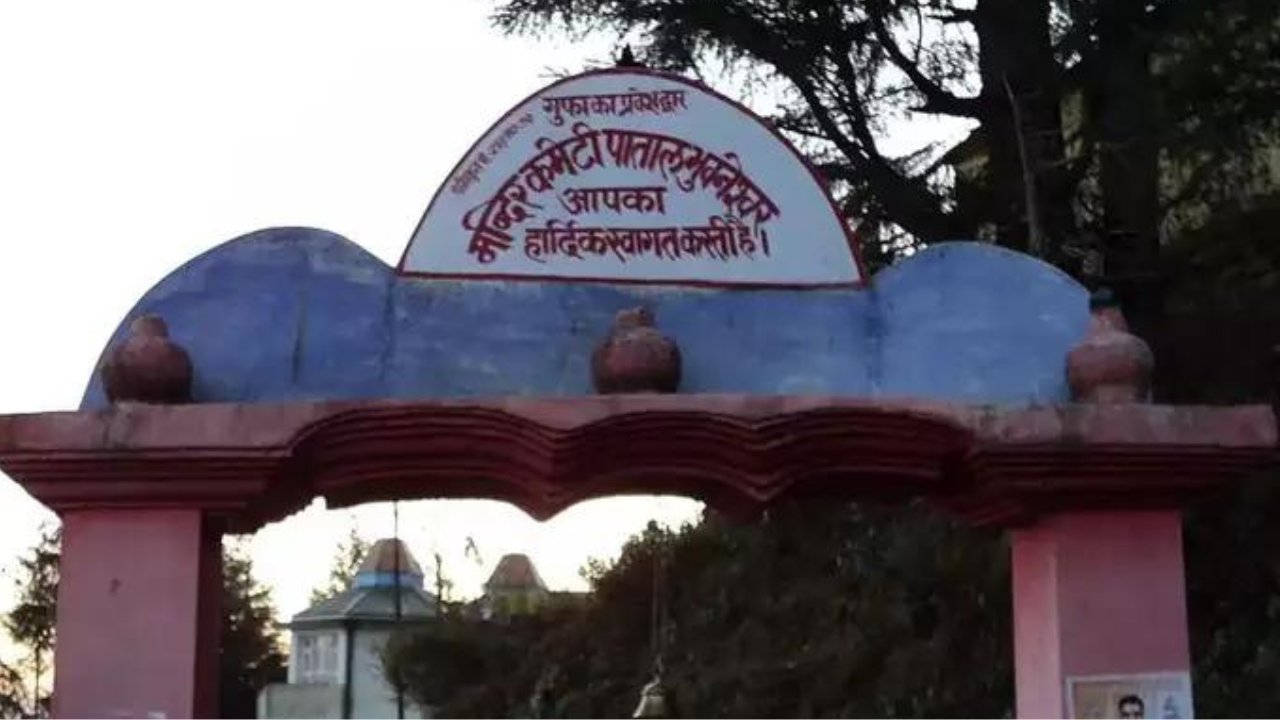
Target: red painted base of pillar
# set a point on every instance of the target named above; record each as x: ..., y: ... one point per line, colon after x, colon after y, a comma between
x: 138, y: 615
x: 1096, y: 594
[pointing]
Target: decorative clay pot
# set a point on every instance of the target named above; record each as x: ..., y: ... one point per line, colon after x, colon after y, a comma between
x: 635, y: 357
x: 147, y: 367
x: 1110, y: 365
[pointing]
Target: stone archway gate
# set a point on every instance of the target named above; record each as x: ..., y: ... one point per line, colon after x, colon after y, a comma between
x: 1091, y: 494
x: 302, y: 367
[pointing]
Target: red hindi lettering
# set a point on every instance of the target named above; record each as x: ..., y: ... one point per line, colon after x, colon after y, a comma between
x: 486, y: 243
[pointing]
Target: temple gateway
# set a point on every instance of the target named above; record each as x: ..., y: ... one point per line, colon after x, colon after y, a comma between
x: 628, y: 285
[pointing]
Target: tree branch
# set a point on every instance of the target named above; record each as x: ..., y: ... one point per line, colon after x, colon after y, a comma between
x: 847, y: 80
x: 937, y: 99
x: 955, y: 17
x: 1035, y: 243
x: 796, y: 126
x: 1191, y: 186
x: 912, y: 206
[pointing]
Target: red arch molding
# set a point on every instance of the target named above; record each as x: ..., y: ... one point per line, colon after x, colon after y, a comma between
x: 253, y: 464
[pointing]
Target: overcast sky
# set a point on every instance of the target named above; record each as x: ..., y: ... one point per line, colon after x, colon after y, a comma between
x: 136, y: 135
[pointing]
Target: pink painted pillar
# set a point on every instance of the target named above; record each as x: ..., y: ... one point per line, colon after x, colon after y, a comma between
x: 138, y: 614
x: 1096, y: 594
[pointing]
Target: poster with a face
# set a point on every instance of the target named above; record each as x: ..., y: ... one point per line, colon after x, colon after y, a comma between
x: 1151, y: 695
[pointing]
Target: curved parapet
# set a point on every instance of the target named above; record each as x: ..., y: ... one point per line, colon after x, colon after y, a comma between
x: 278, y: 314
x: 608, y: 190
x: 978, y: 323
x: 295, y: 313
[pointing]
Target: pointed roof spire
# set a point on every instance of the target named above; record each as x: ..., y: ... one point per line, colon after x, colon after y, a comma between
x: 379, y: 566
x: 628, y: 58
x: 515, y: 572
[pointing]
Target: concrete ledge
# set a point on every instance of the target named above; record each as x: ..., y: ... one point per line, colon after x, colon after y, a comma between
x: 255, y: 463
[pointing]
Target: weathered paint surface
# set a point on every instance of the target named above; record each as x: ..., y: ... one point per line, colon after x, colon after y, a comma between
x: 294, y: 313
x: 138, y: 615
x: 1096, y: 594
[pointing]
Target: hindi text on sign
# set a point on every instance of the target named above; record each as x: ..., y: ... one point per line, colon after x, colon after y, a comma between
x: 657, y: 102
x: 689, y: 166
x: 722, y: 238
x: 642, y: 200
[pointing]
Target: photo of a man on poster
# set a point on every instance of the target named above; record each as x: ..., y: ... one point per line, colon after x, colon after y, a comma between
x: 1131, y: 706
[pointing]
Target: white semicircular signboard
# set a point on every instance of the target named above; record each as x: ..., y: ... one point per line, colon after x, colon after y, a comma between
x: 629, y: 175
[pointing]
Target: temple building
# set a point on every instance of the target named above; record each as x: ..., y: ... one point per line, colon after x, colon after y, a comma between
x: 335, y: 661
x: 514, y: 588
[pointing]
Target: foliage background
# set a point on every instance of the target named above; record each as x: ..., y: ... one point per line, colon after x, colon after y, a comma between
x: 1134, y: 144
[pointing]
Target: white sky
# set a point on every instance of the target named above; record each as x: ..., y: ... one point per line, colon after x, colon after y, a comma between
x: 135, y: 135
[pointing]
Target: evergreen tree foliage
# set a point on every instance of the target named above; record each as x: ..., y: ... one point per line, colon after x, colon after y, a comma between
x: 13, y: 693
x: 818, y: 610
x: 251, y: 654
x: 1097, y: 122
x: 32, y: 620
x: 347, y: 557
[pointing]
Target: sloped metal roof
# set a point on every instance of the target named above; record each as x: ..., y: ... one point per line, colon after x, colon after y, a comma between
x: 515, y: 572
x: 369, y: 604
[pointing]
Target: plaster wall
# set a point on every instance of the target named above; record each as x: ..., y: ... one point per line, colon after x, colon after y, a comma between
x: 372, y: 696
x: 133, y: 605
x: 293, y: 314
x: 279, y: 700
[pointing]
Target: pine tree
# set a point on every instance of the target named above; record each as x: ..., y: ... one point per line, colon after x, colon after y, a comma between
x: 13, y: 694
x: 346, y: 562
x: 251, y: 656
x: 32, y: 621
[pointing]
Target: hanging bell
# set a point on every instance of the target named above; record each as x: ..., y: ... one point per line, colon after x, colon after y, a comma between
x: 653, y: 701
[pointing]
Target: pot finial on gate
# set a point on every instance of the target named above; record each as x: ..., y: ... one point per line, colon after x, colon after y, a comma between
x: 1110, y: 365
x: 147, y: 366
x: 635, y: 357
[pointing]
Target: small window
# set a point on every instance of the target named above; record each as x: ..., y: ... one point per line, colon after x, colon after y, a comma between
x: 317, y: 658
